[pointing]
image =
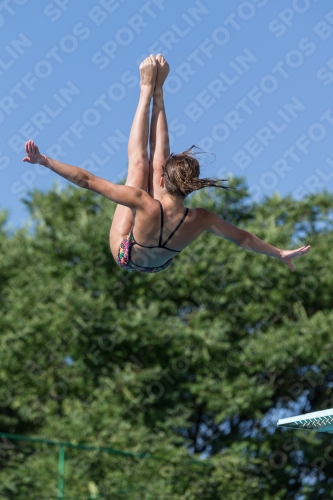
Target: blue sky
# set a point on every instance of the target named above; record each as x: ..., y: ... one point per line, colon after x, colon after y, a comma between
x: 250, y: 81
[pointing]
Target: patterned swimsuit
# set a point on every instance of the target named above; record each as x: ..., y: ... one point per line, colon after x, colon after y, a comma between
x: 124, y: 253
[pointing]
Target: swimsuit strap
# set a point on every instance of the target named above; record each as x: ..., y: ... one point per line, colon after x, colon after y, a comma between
x: 161, y: 231
x: 160, y: 245
x: 136, y: 243
x: 176, y: 229
x: 173, y: 232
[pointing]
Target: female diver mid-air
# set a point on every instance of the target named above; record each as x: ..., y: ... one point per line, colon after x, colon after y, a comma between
x: 151, y: 225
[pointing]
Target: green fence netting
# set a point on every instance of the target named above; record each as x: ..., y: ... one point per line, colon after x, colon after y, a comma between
x: 71, y: 472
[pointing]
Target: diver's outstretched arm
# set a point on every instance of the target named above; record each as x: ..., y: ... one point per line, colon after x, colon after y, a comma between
x: 215, y: 224
x: 123, y: 195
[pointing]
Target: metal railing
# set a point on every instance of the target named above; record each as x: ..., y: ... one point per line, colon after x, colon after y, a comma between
x: 64, y: 445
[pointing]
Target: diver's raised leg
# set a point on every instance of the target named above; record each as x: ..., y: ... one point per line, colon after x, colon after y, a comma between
x: 138, y: 163
x: 159, y: 136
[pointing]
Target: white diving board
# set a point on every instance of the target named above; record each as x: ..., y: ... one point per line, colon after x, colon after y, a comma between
x: 320, y: 421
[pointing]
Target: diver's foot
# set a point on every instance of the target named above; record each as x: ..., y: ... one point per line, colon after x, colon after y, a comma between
x: 148, y: 72
x: 163, y: 69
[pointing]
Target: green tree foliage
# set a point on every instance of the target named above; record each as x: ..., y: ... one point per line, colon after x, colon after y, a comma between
x: 196, y: 362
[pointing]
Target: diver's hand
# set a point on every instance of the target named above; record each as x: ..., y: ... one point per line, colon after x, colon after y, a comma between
x: 33, y: 154
x: 287, y: 255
